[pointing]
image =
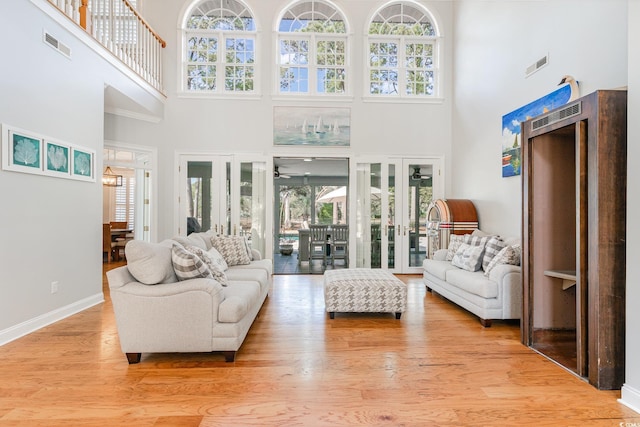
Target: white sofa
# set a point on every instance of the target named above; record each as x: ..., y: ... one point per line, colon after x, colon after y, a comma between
x: 156, y: 313
x: 498, y: 296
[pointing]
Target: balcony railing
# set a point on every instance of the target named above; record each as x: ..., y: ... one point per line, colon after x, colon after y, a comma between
x: 119, y: 28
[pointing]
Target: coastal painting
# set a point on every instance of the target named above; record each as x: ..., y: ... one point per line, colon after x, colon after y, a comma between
x: 511, y: 143
x: 309, y: 126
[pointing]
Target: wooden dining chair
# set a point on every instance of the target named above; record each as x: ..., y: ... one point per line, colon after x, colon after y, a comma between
x: 340, y: 243
x: 108, y: 246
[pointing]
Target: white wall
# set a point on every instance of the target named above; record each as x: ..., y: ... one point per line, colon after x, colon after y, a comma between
x: 495, y: 41
x: 631, y: 388
x: 232, y: 126
x: 50, y: 228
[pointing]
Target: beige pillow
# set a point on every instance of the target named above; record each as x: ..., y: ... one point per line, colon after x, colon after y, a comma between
x: 150, y: 263
x: 232, y: 248
x: 216, y: 270
x: 188, y: 265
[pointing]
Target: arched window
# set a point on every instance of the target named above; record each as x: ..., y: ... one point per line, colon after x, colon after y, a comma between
x: 220, y: 48
x: 312, y: 49
x: 403, y: 46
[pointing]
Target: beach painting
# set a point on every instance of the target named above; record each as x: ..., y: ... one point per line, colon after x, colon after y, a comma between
x: 511, y: 142
x: 312, y: 126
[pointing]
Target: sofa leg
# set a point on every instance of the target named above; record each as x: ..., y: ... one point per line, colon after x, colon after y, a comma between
x: 485, y: 322
x: 133, y: 358
x: 428, y: 289
x: 398, y: 314
x: 229, y: 356
x: 332, y: 314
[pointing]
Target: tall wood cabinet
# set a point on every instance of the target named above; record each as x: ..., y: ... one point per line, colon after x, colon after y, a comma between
x: 574, y: 163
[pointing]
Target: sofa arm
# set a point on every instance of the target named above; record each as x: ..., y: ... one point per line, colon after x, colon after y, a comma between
x: 172, y: 317
x: 509, y: 280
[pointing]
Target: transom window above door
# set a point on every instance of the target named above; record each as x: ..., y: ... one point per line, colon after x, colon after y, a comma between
x: 219, y: 49
x: 312, y: 51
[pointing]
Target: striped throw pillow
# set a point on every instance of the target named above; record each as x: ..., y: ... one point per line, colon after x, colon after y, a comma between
x: 491, y: 249
x: 188, y: 265
x: 216, y: 271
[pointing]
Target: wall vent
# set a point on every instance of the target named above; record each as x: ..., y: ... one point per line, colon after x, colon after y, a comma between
x: 554, y: 117
x: 536, y: 66
x: 57, y: 45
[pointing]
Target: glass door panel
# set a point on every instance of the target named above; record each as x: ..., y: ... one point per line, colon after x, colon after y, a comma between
x: 252, y: 208
x: 390, y: 231
x: 205, y: 199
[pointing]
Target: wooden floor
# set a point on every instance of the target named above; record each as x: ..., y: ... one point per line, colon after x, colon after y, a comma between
x: 437, y: 366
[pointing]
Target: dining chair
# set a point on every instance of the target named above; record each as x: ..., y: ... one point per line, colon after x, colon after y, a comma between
x: 108, y: 246
x: 318, y: 242
x: 340, y: 243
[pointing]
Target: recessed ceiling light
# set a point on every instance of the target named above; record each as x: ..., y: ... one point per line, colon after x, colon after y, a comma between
x: 308, y: 159
x: 307, y: 173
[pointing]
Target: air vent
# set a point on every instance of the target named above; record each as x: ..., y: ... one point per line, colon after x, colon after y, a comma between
x: 536, y: 66
x: 554, y: 117
x: 57, y: 45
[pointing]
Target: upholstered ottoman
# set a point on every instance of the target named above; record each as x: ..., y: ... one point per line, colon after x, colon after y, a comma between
x: 364, y: 290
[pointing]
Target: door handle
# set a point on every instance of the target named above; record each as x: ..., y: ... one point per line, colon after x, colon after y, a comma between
x: 405, y: 230
x: 221, y: 230
x: 215, y: 228
x: 235, y: 229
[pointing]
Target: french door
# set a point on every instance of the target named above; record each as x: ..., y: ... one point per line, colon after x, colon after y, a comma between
x: 225, y: 195
x: 392, y: 198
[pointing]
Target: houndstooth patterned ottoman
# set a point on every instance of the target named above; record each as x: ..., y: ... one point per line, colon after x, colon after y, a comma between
x: 364, y: 290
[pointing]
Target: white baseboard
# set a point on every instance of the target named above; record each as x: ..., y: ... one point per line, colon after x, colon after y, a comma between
x: 630, y: 397
x: 31, y: 325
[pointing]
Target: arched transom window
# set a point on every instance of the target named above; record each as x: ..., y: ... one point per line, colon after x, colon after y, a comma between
x: 402, y: 52
x: 312, y: 50
x: 220, y: 48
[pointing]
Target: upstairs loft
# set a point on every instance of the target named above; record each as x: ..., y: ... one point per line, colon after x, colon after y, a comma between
x: 115, y: 30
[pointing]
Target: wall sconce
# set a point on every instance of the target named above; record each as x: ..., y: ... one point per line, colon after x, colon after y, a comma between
x: 110, y: 179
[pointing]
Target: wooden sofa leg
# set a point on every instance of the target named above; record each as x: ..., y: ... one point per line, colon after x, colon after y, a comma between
x: 229, y: 356
x: 398, y: 314
x: 133, y: 358
x: 428, y: 289
x: 485, y: 322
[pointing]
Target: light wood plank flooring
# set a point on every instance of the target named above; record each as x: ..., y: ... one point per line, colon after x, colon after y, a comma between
x: 437, y: 366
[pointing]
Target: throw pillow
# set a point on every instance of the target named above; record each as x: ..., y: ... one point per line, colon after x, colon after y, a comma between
x: 188, y: 265
x: 150, y: 263
x: 232, y: 248
x: 218, y: 259
x: 472, y: 240
x: 468, y: 257
x: 455, y: 240
x: 216, y: 271
x: 491, y: 249
x: 507, y: 255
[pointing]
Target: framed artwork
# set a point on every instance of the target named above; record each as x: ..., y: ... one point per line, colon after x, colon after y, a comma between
x: 57, y: 161
x: 82, y: 165
x: 28, y: 152
x: 311, y: 126
x: 511, y: 143
x: 21, y: 151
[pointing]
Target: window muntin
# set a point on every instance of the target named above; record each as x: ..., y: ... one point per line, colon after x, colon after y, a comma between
x: 312, y: 50
x: 402, y: 52
x: 220, y: 48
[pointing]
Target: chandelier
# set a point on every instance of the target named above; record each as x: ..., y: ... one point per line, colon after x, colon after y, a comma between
x: 110, y: 179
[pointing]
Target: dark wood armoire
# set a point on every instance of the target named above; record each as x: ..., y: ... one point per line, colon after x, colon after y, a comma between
x: 574, y: 163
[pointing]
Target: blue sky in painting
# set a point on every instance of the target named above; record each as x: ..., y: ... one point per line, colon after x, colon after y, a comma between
x: 555, y: 99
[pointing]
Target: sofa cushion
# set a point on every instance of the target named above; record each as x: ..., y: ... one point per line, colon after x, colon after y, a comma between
x: 191, y: 240
x: 188, y: 265
x: 233, y: 249
x: 474, y: 283
x: 438, y: 268
x: 468, y: 257
x: 491, y: 249
x: 150, y: 263
x: 239, y: 298
x: 241, y: 273
x: 216, y: 269
x: 508, y: 255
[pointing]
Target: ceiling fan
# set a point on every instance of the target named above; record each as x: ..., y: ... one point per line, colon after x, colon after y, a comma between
x: 277, y: 174
x: 416, y: 175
